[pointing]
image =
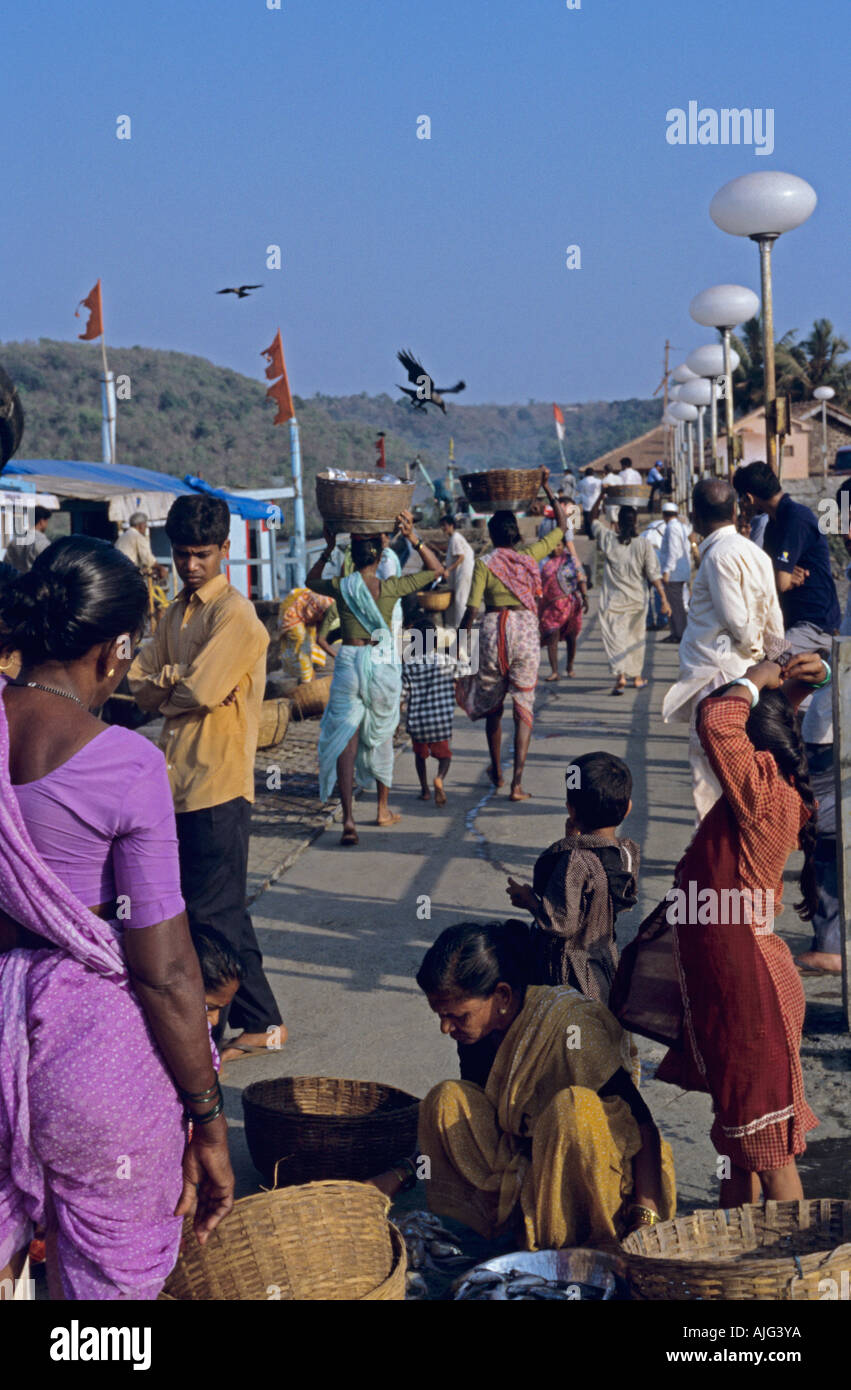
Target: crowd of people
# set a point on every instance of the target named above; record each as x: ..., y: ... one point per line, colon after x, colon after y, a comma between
x: 123, y: 868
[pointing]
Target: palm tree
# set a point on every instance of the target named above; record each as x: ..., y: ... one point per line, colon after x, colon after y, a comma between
x: 800, y: 366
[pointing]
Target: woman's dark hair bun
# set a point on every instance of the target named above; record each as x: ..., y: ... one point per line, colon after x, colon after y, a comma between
x: 80, y: 592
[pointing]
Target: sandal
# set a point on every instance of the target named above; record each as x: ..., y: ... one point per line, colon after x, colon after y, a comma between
x: 349, y: 837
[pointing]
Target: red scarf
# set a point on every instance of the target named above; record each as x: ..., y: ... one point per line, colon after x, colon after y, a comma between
x: 519, y: 573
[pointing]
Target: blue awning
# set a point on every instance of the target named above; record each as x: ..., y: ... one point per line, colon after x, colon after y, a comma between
x: 115, y: 477
x: 248, y: 507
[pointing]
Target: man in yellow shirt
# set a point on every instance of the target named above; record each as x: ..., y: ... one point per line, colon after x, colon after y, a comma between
x: 205, y: 671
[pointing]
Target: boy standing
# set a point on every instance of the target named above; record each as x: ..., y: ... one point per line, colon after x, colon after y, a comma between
x: 428, y: 686
x: 205, y: 670
x: 582, y: 882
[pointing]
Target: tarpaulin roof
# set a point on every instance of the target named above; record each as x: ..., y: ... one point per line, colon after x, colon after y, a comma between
x: 125, y: 488
x: 248, y: 507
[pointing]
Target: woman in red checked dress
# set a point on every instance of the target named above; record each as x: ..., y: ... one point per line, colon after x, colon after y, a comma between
x: 743, y: 1001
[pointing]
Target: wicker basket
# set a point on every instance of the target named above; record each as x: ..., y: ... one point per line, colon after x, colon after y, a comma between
x: 327, y: 1240
x: 315, y: 1127
x: 434, y: 600
x: 503, y: 489
x: 310, y: 698
x: 274, y: 722
x: 362, y: 508
x: 630, y: 495
x: 779, y: 1252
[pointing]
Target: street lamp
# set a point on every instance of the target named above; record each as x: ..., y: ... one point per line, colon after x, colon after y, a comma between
x: 709, y: 362
x: 824, y: 394
x: 722, y: 307
x: 687, y: 414
x: 762, y: 206
x: 682, y: 373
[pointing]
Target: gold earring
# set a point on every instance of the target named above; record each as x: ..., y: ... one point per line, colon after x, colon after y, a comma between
x: 110, y: 672
x: 502, y: 1011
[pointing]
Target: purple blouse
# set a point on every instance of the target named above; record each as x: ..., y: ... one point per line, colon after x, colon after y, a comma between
x: 104, y: 823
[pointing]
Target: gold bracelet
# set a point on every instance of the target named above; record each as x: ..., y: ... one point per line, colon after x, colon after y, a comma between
x: 646, y: 1215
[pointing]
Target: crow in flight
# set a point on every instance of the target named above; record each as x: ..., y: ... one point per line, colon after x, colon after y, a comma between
x: 241, y: 292
x: 424, y: 389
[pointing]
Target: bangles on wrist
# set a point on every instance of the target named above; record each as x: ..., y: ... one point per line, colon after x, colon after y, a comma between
x: 818, y: 685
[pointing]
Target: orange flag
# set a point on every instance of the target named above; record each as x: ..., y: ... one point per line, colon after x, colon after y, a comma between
x: 94, y: 304
x: 280, y: 392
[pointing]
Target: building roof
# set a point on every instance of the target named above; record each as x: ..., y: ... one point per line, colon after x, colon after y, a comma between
x: 644, y: 450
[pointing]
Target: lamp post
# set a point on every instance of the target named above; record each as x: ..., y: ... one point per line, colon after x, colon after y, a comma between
x: 824, y: 394
x: 698, y: 392
x: 762, y: 206
x: 686, y: 414
x: 722, y: 307
x: 710, y: 362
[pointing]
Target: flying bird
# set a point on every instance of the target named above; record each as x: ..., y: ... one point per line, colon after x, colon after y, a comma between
x: 424, y: 390
x: 241, y: 291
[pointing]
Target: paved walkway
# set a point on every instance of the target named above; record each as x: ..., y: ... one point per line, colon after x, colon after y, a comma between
x: 344, y: 930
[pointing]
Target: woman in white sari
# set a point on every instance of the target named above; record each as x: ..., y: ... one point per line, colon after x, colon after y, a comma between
x: 356, y: 735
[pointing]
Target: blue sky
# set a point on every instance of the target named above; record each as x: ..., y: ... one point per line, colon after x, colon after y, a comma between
x: 298, y: 127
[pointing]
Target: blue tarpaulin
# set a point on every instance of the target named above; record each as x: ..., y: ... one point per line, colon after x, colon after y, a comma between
x: 118, y: 478
x: 247, y: 507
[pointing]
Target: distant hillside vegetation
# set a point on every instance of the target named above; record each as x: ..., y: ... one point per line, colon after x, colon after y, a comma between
x: 186, y: 415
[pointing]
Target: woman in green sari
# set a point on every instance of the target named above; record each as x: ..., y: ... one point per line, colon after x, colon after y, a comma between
x: 356, y: 735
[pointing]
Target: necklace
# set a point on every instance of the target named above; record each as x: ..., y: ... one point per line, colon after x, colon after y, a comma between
x: 54, y: 690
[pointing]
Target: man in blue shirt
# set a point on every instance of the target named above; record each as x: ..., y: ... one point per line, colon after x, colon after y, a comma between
x: 801, y: 559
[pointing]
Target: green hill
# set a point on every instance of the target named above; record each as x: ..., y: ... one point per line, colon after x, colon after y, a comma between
x: 186, y: 415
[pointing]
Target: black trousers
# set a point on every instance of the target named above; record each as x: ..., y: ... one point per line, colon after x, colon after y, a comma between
x: 213, y: 872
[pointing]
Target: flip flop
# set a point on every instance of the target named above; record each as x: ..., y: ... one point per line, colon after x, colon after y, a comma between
x: 817, y: 970
x: 349, y: 837
x: 246, y: 1050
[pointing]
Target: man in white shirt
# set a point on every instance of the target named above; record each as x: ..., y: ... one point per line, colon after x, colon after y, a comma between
x: 627, y: 476
x: 460, y: 562
x: 588, y: 489
x: 134, y: 543
x: 675, y: 564
x: 734, y: 621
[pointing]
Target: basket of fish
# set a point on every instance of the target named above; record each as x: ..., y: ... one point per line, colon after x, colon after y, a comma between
x: 361, y: 503
x: 569, y: 1275
x: 303, y: 1128
x: 502, y: 489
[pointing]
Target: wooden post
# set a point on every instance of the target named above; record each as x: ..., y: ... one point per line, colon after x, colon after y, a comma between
x: 841, y: 665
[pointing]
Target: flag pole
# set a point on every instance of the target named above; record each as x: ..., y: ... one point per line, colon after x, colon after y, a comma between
x: 107, y: 403
x: 299, y: 533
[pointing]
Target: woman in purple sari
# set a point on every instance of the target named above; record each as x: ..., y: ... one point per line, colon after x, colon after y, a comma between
x: 111, y: 1123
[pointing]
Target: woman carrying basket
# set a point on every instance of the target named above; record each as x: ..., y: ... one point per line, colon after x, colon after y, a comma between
x: 508, y: 581
x: 356, y: 735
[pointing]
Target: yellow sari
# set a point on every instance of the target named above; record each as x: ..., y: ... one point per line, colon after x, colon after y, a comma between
x: 538, y: 1142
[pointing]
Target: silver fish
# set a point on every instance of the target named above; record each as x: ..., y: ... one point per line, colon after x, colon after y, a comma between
x: 444, y: 1250
x: 416, y: 1252
x: 415, y: 1285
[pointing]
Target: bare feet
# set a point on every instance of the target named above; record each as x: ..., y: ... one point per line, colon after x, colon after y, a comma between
x: 425, y: 794
x: 439, y: 793
x: 553, y: 677
x: 518, y: 794
x: 496, y: 776
x: 253, y: 1044
x: 388, y: 818
x: 819, y: 963
x: 570, y: 673
x: 639, y: 682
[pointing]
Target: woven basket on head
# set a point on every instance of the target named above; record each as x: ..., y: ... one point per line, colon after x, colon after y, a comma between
x: 630, y: 495
x: 434, y: 600
x: 361, y: 507
x: 782, y: 1251
x: 303, y: 1128
x: 503, y: 489
x: 327, y: 1240
x: 310, y: 698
